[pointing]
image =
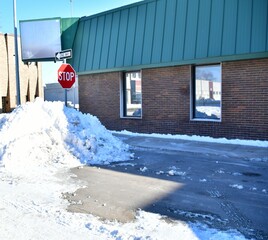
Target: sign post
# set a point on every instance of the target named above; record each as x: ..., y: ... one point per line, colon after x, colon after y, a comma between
x: 65, y: 54
x: 66, y: 77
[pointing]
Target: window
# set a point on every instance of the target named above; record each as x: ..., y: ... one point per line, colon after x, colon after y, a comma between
x: 207, y: 92
x: 132, y: 94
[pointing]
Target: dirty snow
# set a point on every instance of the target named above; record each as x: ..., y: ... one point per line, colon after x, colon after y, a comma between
x: 39, y: 143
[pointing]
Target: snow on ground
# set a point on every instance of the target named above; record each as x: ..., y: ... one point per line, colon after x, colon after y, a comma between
x: 238, y: 186
x: 174, y: 171
x: 39, y: 143
x: 256, y: 143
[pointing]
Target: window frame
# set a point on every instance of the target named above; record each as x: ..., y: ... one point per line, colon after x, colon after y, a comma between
x: 123, y: 97
x: 193, y: 94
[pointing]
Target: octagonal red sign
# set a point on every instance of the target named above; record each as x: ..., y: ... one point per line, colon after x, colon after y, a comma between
x: 66, y: 75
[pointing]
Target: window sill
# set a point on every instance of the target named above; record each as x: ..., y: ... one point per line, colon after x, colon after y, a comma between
x: 205, y: 120
x: 134, y: 118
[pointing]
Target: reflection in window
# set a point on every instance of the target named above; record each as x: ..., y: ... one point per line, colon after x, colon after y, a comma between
x: 207, y: 95
x: 132, y: 94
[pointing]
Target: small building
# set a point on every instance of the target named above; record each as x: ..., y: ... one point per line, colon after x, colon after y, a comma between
x: 30, y: 76
x: 195, y: 67
x: 55, y: 92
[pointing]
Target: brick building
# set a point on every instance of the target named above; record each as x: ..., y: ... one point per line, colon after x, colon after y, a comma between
x: 30, y: 76
x: 195, y: 67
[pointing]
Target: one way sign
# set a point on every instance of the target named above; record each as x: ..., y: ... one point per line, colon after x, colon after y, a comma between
x: 66, y: 54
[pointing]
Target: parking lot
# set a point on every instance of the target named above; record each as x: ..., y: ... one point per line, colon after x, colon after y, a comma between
x: 224, y: 186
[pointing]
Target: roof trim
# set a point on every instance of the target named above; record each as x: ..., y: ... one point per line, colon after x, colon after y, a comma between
x: 141, y: 2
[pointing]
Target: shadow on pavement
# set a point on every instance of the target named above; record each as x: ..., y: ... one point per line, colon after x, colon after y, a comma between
x: 221, y: 191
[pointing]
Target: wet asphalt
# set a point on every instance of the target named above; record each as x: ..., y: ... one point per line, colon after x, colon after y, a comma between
x: 222, y: 185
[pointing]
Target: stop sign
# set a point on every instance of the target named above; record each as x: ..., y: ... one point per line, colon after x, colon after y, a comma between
x: 66, y: 75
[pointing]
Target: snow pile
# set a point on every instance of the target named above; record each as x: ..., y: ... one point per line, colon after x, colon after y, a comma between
x: 41, y: 135
x: 38, y: 142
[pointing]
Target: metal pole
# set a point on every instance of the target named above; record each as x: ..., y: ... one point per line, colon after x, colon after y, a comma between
x: 71, y: 4
x: 64, y: 60
x: 16, y: 53
x: 65, y: 90
x: 65, y: 97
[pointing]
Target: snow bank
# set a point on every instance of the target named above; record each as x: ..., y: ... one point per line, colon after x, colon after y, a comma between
x: 256, y: 143
x: 41, y: 135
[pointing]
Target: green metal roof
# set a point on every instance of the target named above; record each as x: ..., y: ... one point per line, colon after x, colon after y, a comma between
x: 68, y: 30
x: 171, y: 32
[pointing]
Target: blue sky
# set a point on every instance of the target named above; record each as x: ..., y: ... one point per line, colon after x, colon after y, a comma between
x: 36, y: 9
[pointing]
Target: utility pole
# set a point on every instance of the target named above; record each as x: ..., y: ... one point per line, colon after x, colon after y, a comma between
x: 16, y: 53
x: 71, y: 4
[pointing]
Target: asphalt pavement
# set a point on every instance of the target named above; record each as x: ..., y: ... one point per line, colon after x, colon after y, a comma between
x: 222, y: 185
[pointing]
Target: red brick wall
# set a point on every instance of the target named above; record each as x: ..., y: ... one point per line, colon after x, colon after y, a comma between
x: 245, y: 98
x: 99, y: 94
x: 166, y: 101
